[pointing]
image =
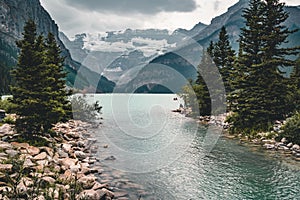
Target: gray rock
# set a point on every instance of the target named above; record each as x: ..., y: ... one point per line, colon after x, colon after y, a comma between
x: 87, y: 181
x: 66, y: 147
x: 28, y: 163
x: 62, y: 154
x: 110, y: 158
x: 284, y: 140
x: 296, y: 147
x: 80, y: 155
x: 5, y: 145
x: 290, y: 145
x: 92, y: 194
x: 11, y: 153
x: 269, y: 146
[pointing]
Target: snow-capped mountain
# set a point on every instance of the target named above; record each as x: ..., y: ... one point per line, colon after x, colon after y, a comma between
x: 114, y: 53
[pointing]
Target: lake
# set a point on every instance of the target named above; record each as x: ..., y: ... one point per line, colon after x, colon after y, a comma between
x: 168, y: 156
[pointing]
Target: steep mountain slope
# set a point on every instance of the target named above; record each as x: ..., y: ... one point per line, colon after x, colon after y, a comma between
x: 13, y: 15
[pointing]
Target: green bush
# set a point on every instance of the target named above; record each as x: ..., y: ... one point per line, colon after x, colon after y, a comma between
x: 9, y: 120
x: 84, y: 111
x: 291, y: 130
x: 7, y: 106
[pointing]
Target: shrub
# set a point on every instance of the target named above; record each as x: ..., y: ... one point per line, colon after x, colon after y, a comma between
x: 9, y: 120
x: 291, y: 130
x: 7, y: 105
x: 84, y: 111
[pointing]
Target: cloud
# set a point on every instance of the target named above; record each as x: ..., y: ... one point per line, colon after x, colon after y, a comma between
x: 134, y: 6
x: 216, y: 5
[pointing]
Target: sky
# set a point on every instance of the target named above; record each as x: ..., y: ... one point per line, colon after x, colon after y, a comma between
x: 93, y: 16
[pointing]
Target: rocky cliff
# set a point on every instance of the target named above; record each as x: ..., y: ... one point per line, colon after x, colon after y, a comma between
x: 13, y: 16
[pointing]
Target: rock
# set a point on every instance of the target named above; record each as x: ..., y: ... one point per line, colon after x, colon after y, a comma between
x: 43, y: 163
x: 5, y: 145
x: 75, y: 168
x: 285, y: 148
x: 5, y: 128
x: 20, y: 145
x: 87, y: 170
x: 62, y: 154
x: 108, y: 193
x: 28, y: 163
x: 5, y: 167
x: 297, y: 155
x: 290, y: 145
x: 41, y: 156
x: 280, y: 144
x: 296, y: 147
x: 67, y: 162
x: 98, y: 186
x: 269, y: 146
x: 68, y: 175
x: 33, y: 150
x: 73, y: 135
x: 297, y: 159
x: 105, y: 146
x: 87, y: 181
x: 48, y: 150
x: 49, y: 180
x: 268, y: 141
x: 11, y: 153
x: 284, y: 140
x: 21, y: 188
x: 66, y: 147
x: 80, y: 155
x: 110, y: 158
x: 92, y: 194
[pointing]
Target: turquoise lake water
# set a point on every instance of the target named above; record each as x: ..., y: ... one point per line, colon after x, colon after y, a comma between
x: 164, y: 152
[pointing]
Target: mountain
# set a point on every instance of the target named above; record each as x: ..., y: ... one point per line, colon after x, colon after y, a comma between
x: 148, y: 60
x: 185, y: 59
x: 116, y: 53
x: 194, y: 31
x: 13, y: 15
x: 113, y: 53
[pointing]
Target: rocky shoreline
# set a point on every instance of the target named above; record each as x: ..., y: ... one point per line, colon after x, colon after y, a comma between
x: 269, y: 144
x: 65, y: 168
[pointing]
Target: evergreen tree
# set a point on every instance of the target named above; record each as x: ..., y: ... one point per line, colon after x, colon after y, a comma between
x: 210, y: 49
x: 200, y: 87
x: 38, y: 94
x: 295, y: 86
x: 60, y: 105
x: 262, y: 91
x: 224, y: 57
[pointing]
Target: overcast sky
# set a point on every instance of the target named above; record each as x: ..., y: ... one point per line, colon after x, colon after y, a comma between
x: 90, y: 16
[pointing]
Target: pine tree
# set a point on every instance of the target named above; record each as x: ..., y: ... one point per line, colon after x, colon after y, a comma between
x: 59, y: 103
x: 38, y: 95
x: 200, y: 87
x: 224, y: 57
x: 210, y: 49
x: 262, y: 89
